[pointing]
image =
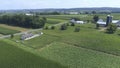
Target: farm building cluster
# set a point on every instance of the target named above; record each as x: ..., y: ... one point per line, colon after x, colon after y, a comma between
x: 27, y: 36
x: 108, y: 20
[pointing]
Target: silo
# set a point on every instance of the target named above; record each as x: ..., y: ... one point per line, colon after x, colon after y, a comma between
x: 109, y: 20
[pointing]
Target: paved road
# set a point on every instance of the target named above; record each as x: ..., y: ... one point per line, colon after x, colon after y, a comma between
x: 8, y: 36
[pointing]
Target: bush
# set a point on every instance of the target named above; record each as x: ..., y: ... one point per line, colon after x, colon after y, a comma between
x: 63, y: 27
x: 77, y: 29
x: 52, y: 27
x: 12, y: 36
x: 67, y: 24
x: 72, y: 24
x: 46, y: 27
x: 111, y: 28
x: 97, y: 26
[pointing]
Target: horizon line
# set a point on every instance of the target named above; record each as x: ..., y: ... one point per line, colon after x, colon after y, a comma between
x: 54, y: 8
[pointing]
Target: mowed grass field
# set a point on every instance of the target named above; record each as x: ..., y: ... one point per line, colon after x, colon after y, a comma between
x: 13, y: 57
x: 6, y: 31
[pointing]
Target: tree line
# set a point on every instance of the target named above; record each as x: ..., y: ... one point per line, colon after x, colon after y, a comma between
x: 23, y: 21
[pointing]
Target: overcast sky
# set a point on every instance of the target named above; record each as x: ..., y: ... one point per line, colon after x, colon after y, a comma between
x: 39, y: 4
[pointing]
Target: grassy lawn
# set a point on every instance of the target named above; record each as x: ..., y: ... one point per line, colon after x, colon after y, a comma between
x: 13, y: 57
x: 6, y: 31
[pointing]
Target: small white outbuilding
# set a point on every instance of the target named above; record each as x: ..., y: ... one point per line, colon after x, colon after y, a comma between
x: 79, y: 22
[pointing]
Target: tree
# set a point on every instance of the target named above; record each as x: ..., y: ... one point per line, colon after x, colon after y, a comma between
x: 52, y: 27
x: 77, y: 29
x: 46, y: 27
x: 111, y: 28
x: 95, y: 18
x: 12, y: 36
x: 88, y: 21
x: 97, y: 26
x: 72, y: 24
x: 67, y: 24
x: 86, y: 12
x: 94, y: 12
x: 23, y: 21
x: 63, y: 27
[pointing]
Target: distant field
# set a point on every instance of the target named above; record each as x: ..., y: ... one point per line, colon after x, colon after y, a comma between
x: 68, y: 17
x: 14, y: 57
x: 51, y: 21
x: 13, y: 27
x: 6, y: 31
x: 82, y: 16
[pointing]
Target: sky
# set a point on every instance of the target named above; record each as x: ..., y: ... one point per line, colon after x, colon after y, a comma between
x: 41, y: 4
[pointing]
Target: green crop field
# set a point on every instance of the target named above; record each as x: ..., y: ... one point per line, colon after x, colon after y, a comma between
x: 13, y: 57
x: 6, y: 31
x: 89, y: 48
x: 77, y: 57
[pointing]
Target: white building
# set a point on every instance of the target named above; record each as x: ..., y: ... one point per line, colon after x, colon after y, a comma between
x: 80, y: 22
x: 117, y: 22
x: 74, y: 13
x: 101, y: 22
x: 77, y: 22
x: 28, y: 14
